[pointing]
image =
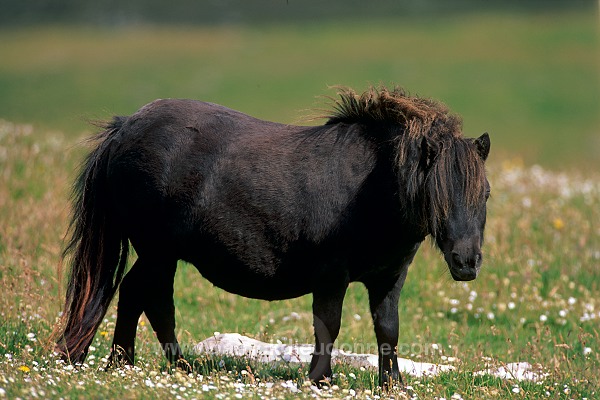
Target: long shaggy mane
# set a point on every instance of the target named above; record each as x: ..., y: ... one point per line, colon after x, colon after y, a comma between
x: 432, y: 157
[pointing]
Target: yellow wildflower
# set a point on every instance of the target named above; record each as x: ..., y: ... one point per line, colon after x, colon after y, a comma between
x: 104, y: 334
x: 558, y: 223
x: 24, y: 368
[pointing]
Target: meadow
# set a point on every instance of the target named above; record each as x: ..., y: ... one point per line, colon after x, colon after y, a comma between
x: 534, y: 88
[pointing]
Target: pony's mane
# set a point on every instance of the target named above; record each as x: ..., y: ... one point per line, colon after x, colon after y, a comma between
x: 396, y: 106
x: 453, y: 163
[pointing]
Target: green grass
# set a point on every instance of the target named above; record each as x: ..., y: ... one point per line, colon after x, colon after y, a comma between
x: 534, y: 88
x: 536, y: 299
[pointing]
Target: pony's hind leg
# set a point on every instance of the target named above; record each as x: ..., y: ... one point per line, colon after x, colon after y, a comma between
x: 129, y: 310
x: 160, y: 310
x: 148, y: 288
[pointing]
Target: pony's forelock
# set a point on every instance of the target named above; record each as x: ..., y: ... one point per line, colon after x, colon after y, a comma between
x: 457, y: 168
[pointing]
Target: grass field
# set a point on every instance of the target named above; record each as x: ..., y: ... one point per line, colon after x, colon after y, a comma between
x: 531, y: 80
x: 534, y: 88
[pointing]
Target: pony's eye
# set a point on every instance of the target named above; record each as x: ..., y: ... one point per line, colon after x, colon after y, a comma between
x: 487, y: 194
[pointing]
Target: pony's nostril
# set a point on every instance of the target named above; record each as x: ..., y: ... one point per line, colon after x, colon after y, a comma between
x: 475, y: 261
x: 456, y: 258
x: 470, y: 261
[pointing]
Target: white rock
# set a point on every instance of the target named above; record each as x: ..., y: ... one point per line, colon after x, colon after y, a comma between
x: 520, y: 371
x: 234, y: 344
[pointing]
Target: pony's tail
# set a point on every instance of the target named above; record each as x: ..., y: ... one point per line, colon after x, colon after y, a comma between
x: 97, y: 249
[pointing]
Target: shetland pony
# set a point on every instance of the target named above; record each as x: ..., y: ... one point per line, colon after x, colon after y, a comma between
x: 271, y: 211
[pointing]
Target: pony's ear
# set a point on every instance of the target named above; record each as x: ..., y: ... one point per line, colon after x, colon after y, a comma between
x: 428, y: 152
x: 482, y: 144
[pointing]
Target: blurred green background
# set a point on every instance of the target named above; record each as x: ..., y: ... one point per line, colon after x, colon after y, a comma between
x: 527, y: 72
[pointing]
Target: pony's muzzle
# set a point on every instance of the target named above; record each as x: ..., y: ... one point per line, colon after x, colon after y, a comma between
x: 464, y: 263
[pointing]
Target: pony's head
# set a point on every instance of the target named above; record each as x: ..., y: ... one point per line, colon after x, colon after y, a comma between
x: 442, y: 181
x: 457, y: 207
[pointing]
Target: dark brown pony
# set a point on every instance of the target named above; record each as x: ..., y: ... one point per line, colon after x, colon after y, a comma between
x: 271, y: 211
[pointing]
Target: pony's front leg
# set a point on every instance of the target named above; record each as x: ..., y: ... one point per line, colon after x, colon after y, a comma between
x: 383, y: 301
x: 327, y: 315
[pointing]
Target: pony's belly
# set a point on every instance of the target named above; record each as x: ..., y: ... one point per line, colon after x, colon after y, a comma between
x: 257, y: 285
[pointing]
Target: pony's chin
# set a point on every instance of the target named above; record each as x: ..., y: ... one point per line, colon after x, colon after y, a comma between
x: 464, y: 273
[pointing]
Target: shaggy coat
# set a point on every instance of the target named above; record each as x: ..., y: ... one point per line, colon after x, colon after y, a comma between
x: 271, y: 211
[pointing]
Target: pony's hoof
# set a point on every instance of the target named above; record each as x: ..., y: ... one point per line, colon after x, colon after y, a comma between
x: 117, y: 359
x: 184, y: 366
x: 392, y: 382
x: 321, y: 382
